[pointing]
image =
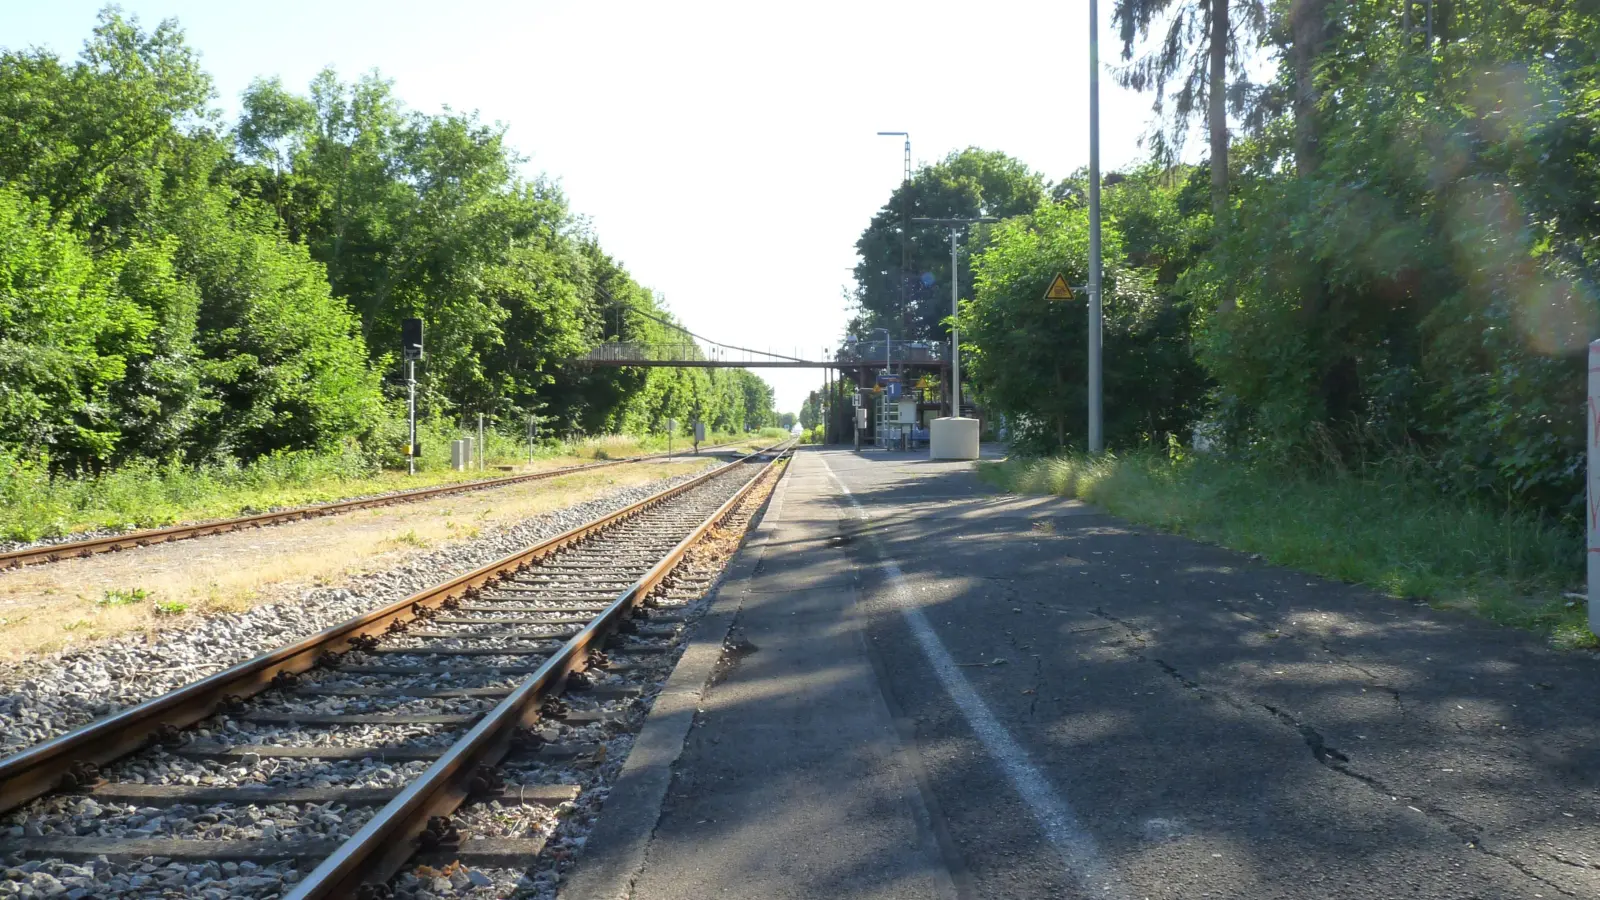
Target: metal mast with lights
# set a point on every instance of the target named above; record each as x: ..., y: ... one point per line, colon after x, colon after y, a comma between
x: 905, y: 233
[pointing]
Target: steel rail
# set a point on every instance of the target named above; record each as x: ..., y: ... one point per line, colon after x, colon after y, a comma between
x: 60, y: 762
x: 381, y: 848
x: 47, y: 553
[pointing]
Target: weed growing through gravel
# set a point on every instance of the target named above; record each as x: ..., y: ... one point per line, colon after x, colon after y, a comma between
x: 1389, y: 532
x: 120, y: 597
x: 411, y: 539
x: 170, y: 607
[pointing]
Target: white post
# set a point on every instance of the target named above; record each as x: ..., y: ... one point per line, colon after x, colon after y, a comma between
x: 1593, y: 494
x: 955, y: 335
x: 1096, y: 439
x: 480, y: 442
x: 411, y: 416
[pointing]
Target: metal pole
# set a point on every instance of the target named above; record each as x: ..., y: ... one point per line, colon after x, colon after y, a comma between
x: 411, y: 416
x: 1096, y: 439
x: 955, y: 334
x: 1593, y: 493
x: 827, y: 393
x: 905, y: 244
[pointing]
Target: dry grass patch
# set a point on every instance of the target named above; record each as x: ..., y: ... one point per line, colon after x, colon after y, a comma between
x: 80, y: 601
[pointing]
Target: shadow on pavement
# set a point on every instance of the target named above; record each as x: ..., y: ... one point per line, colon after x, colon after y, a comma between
x: 1221, y: 727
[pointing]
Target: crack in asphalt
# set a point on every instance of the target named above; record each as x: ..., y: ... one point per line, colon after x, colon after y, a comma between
x: 1372, y: 676
x: 1375, y: 681
x: 1564, y: 861
x: 1335, y: 760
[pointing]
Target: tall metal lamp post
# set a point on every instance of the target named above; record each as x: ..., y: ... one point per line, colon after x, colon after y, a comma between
x: 905, y: 230
x: 955, y: 226
x: 1096, y: 437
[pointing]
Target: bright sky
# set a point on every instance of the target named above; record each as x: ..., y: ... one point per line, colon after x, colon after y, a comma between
x: 725, y: 152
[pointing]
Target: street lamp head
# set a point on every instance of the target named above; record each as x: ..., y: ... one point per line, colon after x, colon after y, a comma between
x: 895, y: 133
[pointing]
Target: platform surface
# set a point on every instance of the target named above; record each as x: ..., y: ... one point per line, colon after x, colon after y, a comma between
x: 943, y: 691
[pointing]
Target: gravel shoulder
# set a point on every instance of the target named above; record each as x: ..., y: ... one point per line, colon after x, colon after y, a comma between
x: 257, y: 590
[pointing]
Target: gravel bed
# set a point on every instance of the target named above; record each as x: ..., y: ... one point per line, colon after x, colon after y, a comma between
x: 205, y: 881
x: 531, y: 657
x: 68, y: 814
x: 277, y: 735
x: 44, y: 698
x: 426, y: 883
x: 698, y: 580
x: 420, y: 706
x: 337, y: 679
x: 517, y: 643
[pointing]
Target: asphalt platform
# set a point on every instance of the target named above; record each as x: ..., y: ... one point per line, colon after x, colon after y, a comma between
x: 930, y: 689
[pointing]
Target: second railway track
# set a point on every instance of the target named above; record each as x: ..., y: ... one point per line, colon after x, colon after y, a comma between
x: 47, y: 553
x: 427, y: 728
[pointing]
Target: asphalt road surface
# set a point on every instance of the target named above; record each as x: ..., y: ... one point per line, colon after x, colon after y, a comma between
x: 1054, y: 703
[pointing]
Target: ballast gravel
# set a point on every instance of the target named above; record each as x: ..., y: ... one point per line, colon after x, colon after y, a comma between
x: 565, y: 828
x: 41, y: 699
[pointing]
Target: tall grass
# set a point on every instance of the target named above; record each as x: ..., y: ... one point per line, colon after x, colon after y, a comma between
x: 1382, y: 529
x: 36, y: 503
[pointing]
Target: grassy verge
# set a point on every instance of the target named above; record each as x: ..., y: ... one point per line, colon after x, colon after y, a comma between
x: 35, y: 503
x: 1390, y: 533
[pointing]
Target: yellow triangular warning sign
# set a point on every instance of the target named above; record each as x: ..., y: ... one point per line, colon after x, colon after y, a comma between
x: 1059, y: 290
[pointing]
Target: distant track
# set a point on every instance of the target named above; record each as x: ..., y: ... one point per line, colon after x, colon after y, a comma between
x: 487, y: 654
x: 48, y: 553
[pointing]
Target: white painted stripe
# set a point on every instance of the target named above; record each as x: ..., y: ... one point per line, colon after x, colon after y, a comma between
x: 1077, y: 847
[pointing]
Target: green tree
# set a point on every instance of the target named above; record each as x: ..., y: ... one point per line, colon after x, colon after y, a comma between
x: 96, y: 141
x: 1028, y: 355
x: 811, y: 411
x: 1413, y: 261
x: 1198, y: 54
x: 66, y: 333
x: 284, y: 357
x: 913, y: 303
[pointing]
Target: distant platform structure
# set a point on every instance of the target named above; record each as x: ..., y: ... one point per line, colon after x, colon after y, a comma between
x: 903, y: 384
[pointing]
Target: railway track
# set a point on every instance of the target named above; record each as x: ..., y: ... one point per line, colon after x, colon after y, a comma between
x: 48, y: 553
x: 427, y: 729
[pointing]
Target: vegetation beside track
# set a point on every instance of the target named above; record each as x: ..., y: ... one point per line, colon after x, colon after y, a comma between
x: 34, y: 503
x: 230, y: 294
x: 1383, y: 529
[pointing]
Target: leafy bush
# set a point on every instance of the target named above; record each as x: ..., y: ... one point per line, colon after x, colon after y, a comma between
x: 1028, y: 355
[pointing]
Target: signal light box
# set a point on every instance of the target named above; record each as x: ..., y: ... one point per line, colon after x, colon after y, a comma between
x: 411, y: 339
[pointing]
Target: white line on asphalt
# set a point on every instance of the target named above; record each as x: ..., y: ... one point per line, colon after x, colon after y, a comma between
x: 1056, y: 819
